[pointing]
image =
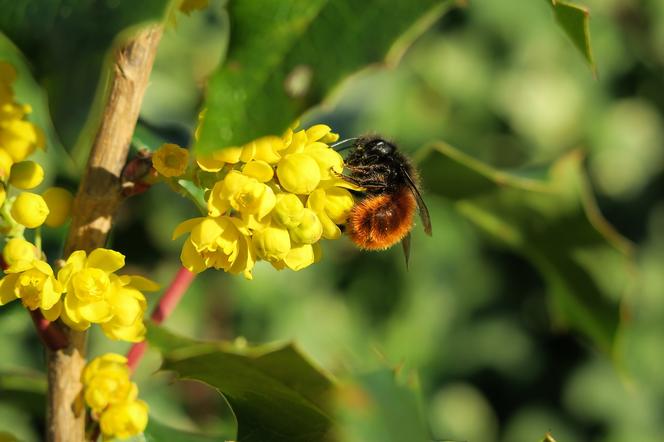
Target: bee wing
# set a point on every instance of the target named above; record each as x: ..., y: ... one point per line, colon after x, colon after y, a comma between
x: 405, y: 244
x: 424, y: 211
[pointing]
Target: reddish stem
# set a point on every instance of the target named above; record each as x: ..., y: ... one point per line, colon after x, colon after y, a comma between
x: 49, y: 333
x: 169, y: 300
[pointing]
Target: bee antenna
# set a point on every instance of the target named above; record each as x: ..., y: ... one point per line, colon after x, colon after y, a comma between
x: 341, y: 143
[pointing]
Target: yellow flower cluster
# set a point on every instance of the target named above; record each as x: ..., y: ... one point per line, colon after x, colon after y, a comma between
x: 112, y: 397
x: 85, y: 291
x: 19, y: 138
x: 272, y: 199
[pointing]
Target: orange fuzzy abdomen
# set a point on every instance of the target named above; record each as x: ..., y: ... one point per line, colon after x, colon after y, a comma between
x: 380, y: 221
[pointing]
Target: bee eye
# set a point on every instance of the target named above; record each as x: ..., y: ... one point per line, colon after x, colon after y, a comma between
x: 383, y: 147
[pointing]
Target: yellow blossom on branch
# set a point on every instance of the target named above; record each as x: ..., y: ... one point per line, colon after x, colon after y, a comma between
x: 112, y: 396
x: 273, y: 199
x: 35, y: 285
x: 95, y: 294
x: 18, y: 137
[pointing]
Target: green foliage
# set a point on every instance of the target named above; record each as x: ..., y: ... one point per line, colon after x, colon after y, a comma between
x: 575, y: 21
x: 285, y: 56
x: 551, y: 217
x: 499, y: 82
x: 67, y: 43
x: 275, y: 394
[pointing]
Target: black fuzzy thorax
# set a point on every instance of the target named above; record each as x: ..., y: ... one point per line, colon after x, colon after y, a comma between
x: 377, y: 165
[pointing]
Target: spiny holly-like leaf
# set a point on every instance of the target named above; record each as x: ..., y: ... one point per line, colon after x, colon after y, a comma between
x: 276, y: 394
x: 575, y: 21
x: 550, y: 217
x: 66, y: 43
x: 287, y: 55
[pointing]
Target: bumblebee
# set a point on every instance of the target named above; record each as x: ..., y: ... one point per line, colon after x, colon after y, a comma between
x: 385, y: 213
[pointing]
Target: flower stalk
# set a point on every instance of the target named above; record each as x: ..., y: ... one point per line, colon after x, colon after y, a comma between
x: 167, y: 303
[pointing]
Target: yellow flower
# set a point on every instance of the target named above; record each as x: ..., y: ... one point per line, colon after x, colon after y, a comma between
x: 298, y: 173
x: 30, y: 210
x: 129, y: 306
x: 59, y: 202
x: 170, y: 160
x: 36, y: 286
x: 124, y: 420
x: 301, y: 256
x: 111, y: 395
x: 106, y: 381
x: 26, y: 175
x: 263, y: 149
x: 222, y: 243
x: 20, y: 138
x: 6, y: 162
x: 19, y: 252
x: 95, y: 294
x: 332, y: 205
x: 288, y: 210
x: 272, y: 243
x: 309, y: 230
x: 257, y: 210
x: 254, y: 200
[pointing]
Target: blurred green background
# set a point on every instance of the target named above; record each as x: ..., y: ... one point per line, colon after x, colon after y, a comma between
x: 501, y: 82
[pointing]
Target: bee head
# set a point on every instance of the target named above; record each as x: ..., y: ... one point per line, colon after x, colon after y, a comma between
x: 379, y: 147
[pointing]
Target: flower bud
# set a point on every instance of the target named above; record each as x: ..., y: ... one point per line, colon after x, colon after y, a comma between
x: 30, y: 210
x: 300, y: 256
x: 26, y: 175
x: 124, y: 420
x: 272, y: 243
x: 59, y: 202
x: 18, y: 250
x: 309, y: 230
x: 289, y: 210
x: 298, y: 173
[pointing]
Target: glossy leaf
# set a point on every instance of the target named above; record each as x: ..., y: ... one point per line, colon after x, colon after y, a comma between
x: 549, y: 216
x: 575, y: 21
x: 287, y: 55
x: 276, y: 394
x: 66, y: 42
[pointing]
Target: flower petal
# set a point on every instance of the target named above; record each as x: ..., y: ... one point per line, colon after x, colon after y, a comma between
x: 186, y: 226
x: 106, y: 259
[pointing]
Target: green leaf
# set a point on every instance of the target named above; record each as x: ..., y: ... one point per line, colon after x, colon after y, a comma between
x: 575, y: 21
x: 376, y: 406
x: 276, y: 394
x: 551, y: 218
x: 158, y: 432
x: 287, y: 55
x: 66, y: 43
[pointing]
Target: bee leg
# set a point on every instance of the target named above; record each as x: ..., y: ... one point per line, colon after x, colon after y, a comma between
x: 371, y: 185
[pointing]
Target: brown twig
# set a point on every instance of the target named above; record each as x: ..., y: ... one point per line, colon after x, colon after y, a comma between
x: 167, y: 303
x: 96, y: 202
